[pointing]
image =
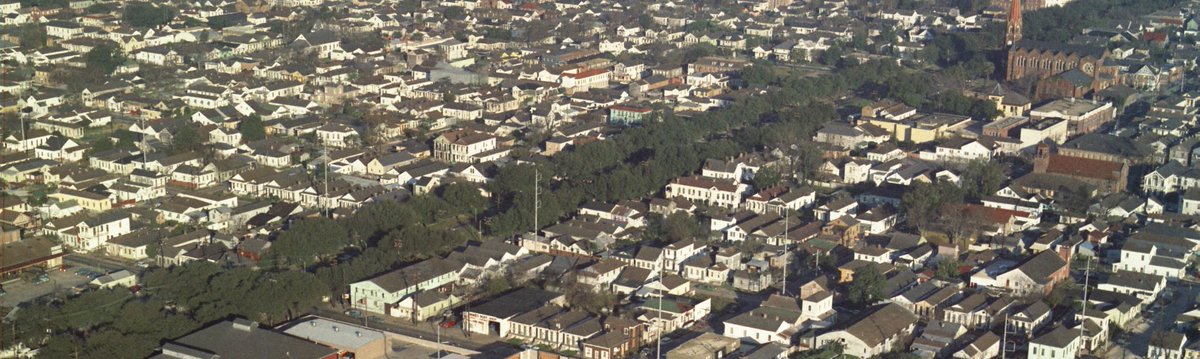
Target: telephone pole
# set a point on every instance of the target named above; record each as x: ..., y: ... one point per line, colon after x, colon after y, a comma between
x: 661, y: 328
x: 537, y: 191
x: 325, y: 149
x: 1087, y: 271
x: 786, y: 254
x: 1004, y: 340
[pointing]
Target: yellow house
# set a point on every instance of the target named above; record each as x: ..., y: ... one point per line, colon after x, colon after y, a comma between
x: 90, y: 201
x: 1009, y: 103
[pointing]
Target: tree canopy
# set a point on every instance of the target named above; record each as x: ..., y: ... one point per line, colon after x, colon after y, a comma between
x: 309, y: 241
x: 867, y: 286
x: 252, y: 129
x: 923, y: 203
x: 147, y: 15
x: 103, y: 59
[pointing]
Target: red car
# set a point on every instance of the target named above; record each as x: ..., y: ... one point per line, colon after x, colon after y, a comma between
x: 449, y: 323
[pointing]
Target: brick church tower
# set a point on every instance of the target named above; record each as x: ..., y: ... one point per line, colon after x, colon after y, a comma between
x: 1014, y: 24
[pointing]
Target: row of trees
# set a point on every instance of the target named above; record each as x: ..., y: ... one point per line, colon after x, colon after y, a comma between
x: 115, y: 324
x: 175, y: 301
x: 643, y: 159
x: 148, y: 15
x: 1059, y: 24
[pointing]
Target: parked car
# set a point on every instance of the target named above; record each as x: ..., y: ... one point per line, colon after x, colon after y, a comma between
x: 354, y: 313
x: 41, y: 279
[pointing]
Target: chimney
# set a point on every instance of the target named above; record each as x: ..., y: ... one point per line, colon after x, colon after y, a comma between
x: 335, y: 328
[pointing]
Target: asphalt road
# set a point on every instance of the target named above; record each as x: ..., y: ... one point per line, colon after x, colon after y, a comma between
x: 1138, y: 343
x: 98, y: 262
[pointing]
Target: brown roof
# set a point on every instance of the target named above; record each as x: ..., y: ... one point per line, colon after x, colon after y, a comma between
x: 993, y: 215
x: 1083, y: 167
x: 886, y: 321
x: 702, y: 182
x: 466, y: 137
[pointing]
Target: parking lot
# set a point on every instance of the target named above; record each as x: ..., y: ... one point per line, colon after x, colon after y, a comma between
x: 19, y: 291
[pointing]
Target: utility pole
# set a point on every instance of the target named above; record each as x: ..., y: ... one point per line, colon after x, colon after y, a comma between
x: 325, y: 149
x: 537, y: 191
x: 1004, y: 341
x: 478, y: 223
x: 786, y: 254
x: 661, y: 328
x: 142, y: 123
x: 1083, y: 323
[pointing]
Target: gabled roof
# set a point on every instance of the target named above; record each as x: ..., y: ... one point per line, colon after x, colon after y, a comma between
x: 1084, y: 167
x: 883, y: 322
x: 1041, y: 266
x: 412, y: 275
x: 1058, y: 47
x: 1060, y: 337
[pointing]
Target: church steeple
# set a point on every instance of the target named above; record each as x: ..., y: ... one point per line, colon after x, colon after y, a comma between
x: 1014, y: 24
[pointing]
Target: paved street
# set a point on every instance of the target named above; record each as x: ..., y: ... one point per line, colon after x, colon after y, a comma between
x: 1165, y: 318
x: 107, y: 264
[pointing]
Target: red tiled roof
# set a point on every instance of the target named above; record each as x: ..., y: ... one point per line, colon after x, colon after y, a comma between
x: 994, y: 215
x: 1083, y: 167
x: 769, y: 193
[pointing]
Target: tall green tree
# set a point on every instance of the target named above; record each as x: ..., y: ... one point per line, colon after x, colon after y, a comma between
x: 464, y: 197
x: 103, y: 59
x: 982, y: 178
x: 947, y: 269
x: 766, y: 178
x: 867, y: 286
x: 147, y: 15
x: 674, y: 227
x: 832, y: 56
x: 758, y: 74
x: 923, y: 203
x: 309, y: 241
x: 252, y: 128
x: 32, y: 36
x: 186, y: 139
